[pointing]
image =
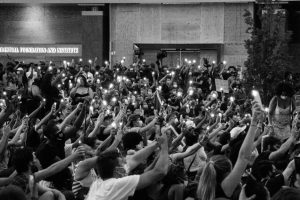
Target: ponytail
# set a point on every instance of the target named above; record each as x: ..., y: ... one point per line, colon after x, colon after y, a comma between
x: 207, y: 184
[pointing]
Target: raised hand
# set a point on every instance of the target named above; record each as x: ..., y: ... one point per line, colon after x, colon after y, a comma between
x: 6, y: 130
x: 79, y: 106
x: 79, y: 153
x: 100, y: 117
x: 53, y: 108
x: 257, y: 114
x: 25, y: 120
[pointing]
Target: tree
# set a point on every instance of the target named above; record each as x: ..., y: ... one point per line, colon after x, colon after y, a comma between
x: 267, y: 49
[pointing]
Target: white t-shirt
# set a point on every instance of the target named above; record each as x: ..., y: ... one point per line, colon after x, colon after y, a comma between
x: 113, y: 189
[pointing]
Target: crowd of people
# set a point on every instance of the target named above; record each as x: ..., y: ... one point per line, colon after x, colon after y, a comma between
x: 138, y: 132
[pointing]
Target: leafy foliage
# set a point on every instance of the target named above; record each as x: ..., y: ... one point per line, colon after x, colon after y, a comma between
x: 267, y: 49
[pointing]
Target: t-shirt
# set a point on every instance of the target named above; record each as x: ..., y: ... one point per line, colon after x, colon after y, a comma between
x: 113, y: 189
x: 198, y: 162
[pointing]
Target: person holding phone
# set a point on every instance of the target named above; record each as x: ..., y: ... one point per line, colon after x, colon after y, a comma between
x: 281, y: 109
x: 82, y: 90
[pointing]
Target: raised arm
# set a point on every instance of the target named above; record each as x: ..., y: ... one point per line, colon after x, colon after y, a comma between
x: 283, y: 148
x: 97, y: 125
x: 60, y: 165
x: 161, y: 167
x: 190, y: 151
x: 178, y: 140
x: 116, y: 142
x: 79, y: 120
x: 272, y: 107
x: 36, y: 111
x: 46, y: 118
x: 18, y: 133
x: 215, y: 132
x: 7, y: 180
x: 148, y: 126
x: 233, y: 179
x: 218, y: 120
x: 105, y: 143
x: 4, y: 139
x: 84, y: 168
x: 70, y: 117
x: 200, y: 124
x: 140, y: 156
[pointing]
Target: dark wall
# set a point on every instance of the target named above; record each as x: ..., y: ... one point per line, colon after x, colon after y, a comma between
x: 50, y: 24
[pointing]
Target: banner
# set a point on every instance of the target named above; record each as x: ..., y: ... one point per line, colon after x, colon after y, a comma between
x: 222, y: 85
x: 48, y: 50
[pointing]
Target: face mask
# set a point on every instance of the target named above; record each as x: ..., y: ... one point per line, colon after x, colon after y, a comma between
x: 283, y: 97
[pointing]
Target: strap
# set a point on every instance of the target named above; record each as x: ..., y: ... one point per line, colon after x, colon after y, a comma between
x: 192, y: 162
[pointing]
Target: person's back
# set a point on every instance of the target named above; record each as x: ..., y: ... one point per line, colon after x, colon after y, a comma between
x: 109, y: 188
x: 114, y: 189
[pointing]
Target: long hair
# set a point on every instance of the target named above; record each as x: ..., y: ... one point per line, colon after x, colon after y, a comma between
x: 213, y: 174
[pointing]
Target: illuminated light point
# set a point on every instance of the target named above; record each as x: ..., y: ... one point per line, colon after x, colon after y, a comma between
x: 104, y: 103
x: 254, y: 92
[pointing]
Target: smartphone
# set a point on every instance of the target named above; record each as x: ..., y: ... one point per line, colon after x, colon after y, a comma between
x: 297, y: 164
x: 257, y: 98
